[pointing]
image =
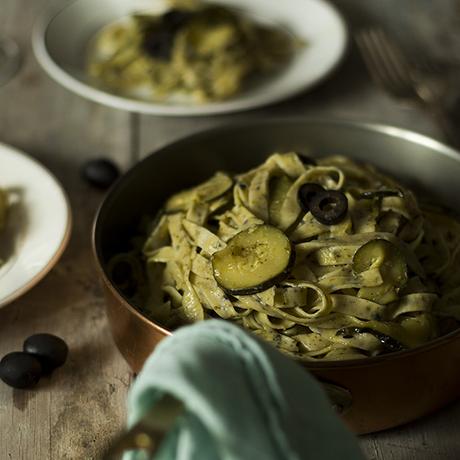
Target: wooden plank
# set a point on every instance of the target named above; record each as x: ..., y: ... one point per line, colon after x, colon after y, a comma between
x: 74, y: 413
x: 349, y: 94
x: 432, y: 437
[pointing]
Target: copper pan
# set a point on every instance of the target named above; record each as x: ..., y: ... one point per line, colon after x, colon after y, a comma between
x: 372, y: 394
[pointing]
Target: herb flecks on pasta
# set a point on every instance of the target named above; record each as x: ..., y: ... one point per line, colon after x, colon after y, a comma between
x: 380, y: 277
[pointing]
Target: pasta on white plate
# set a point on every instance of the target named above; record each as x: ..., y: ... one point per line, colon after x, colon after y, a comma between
x: 3, y: 213
x: 3, y: 208
x: 327, y: 259
x: 192, y: 52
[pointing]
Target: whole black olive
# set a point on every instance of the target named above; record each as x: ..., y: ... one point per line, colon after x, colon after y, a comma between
x: 50, y: 350
x: 329, y: 207
x: 20, y: 370
x: 306, y: 193
x: 175, y: 19
x: 100, y: 173
x: 158, y: 43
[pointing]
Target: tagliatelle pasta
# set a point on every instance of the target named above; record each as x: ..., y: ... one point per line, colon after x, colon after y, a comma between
x: 205, y: 52
x: 326, y: 259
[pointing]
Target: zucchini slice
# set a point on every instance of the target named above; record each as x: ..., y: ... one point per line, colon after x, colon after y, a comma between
x: 253, y: 260
x: 388, y: 259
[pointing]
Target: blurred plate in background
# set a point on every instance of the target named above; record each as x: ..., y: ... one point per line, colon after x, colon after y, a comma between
x: 61, y: 39
x: 38, y: 223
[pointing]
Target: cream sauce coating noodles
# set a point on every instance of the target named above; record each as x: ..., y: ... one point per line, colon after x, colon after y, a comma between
x: 382, y: 279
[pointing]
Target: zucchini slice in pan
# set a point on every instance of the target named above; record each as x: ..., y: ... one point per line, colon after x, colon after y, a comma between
x: 388, y: 259
x: 253, y: 260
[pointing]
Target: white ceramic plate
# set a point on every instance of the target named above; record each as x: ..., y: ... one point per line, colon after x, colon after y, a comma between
x: 38, y: 225
x: 60, y: 41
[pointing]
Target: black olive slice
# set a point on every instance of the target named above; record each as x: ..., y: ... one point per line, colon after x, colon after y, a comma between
x: 329, y: 207
x: 306, y: 194
x: 390, y: 344
x: 371, y: 194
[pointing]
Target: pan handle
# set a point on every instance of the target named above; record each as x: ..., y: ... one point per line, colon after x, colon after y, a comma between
x: 340, y: 397
x: 149, y: 432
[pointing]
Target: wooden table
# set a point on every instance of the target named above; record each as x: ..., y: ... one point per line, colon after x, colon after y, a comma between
x: 74, y: 414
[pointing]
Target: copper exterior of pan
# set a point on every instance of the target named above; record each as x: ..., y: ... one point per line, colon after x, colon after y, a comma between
x: 372, y: 394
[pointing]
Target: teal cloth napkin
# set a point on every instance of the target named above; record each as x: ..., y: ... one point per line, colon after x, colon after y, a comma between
x: 244, y: 400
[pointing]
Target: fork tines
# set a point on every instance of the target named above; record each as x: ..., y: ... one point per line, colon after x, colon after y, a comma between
x: 385, y: 61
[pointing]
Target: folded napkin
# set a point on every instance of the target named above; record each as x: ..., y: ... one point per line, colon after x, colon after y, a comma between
x: 243, y: 400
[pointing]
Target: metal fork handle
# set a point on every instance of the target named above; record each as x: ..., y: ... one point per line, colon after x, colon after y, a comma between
x: 445, y: 123
x: 389, y: 67
x: 434, y: 104
x: 148, y: 434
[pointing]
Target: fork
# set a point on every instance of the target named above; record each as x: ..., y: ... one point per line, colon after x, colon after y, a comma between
x: 148, y: 434
x: 390, y: 68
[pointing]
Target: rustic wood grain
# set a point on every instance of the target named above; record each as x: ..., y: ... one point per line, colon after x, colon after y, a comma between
x: 432, y: 437
x: 74, y: 414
